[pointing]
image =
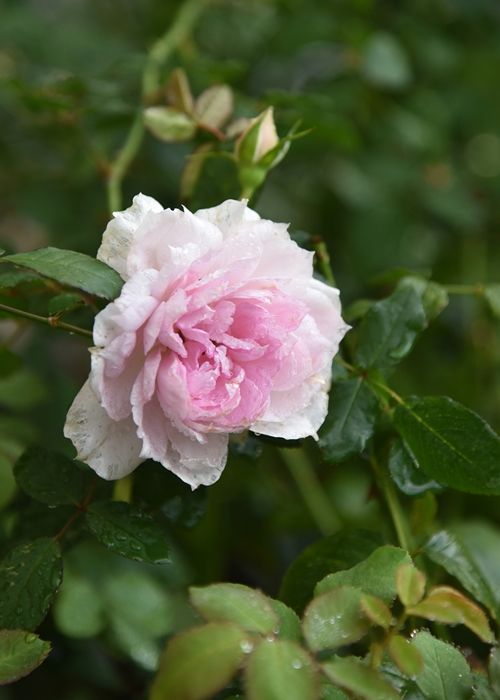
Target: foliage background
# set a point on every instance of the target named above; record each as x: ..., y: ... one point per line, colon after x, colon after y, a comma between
x: 401, y: 170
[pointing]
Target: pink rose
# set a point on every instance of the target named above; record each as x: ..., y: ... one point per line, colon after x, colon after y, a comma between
x: 220, y: 327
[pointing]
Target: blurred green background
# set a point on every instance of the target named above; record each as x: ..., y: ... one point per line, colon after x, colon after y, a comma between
x: 401, y: 170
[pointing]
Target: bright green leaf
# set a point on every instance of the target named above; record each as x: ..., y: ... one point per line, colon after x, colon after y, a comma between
x: 334, y: 619
x: 289, y: 622
x: 30, y: 576
x: 339, y: 551
x: 280, y: 669
x: 445, y: 604
x: 492, y: 295
x: 233, y: 602
x: 79, y: 610
x: 375, y: 575
x: 376, y: 611
x: 353, y: 675
x: 446, y: 674
x: 20, y: 653
x: 451, y: 443
x: 351, y: 419
x: 199, y: 662
x: 385, y: 62
x: 410, y: 584
x: 128, y: 531
x: 494, y: 670
x: 72, y: 269
x: 406, y: 657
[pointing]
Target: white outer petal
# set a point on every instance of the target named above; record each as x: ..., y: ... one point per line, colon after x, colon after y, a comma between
x: 229, y: 215
x: 111, y: 448
x: 120, y: 232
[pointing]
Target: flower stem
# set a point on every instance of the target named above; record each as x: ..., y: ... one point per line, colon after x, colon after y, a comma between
x: 159, y: 53
x: 468, y: 289
x: 122, y: 490
x: 304, y: 475
x: 52, y: 321
x: 398, y: 517
x: 324, y: 262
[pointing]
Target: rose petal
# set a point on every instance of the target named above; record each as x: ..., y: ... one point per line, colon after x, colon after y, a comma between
x: 120, y: 232
x: 111, y: 448
x: 228, y: 215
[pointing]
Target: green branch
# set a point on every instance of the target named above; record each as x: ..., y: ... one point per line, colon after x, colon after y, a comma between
x: 151, y: 81
x: 52, y: 321
x: 318, y: 503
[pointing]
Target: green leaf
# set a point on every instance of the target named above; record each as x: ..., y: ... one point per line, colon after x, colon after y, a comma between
x: 79, y: 611
x: 469, y: 552
x: 214, y: 106
x: 446, y: 674
x: 350, y: 673
x: 334, y: 619
x: 179, y: 92
x: 406, y: 657
x: 169, y: 125
x: 10, y: 279
x: 375, y: 575
x: 434, y: 297
x: 389, y: 329
x: 330, y: 692
x: 280, y: 669
x: 410, y: 584
x: 128, y: 531
x: 446, y: 605
x: 50, y: 477
x: 482, y: 690
x: 20, y: 653
x: 494, y: 670
x: 351, y: 419
x: 64, y: 302
x: 233, y: 602
x: 339, y: 551
x: 492, y: 296
x: 7, y: 481
x: 72, y: 269
x: 289, y: 622
x: 406, y: 473
x: 385, y: 62
x: 199, y: 662
x: 451, y: 443
x: 9, y: 362
x: 376, y: 611
x: 30, y: 576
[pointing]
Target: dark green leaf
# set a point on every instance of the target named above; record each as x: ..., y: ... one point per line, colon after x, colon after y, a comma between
x: 446, y: 674
x: 50, y: 477
x: 128, y: 531
x: 64, y: 302
x: 452, y: 444
x: 406, y: 473
x: 375, y: 575
x: 494, y: 670
x: 280, y: 669
x: 389, y: 329
x: 233, y: 602
x: 351, y: 419
x: 434, y: 297
x: 469, y: 551
x: 30, y: 576
x: 9, y: 362
x: 340, y: 551
x: 334, y: 619
x: 353, y: 675
x: 199, y: 662
x: 20, y: 653
x: 72, y: 269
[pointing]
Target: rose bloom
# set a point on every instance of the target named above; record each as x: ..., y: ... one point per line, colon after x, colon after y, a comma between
x: 220, y: 327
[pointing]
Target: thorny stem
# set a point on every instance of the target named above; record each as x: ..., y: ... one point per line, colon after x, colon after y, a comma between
x: 398, y: 517
x: 52, y: 321
x: 324, y: 262
x: 161, y: 50
x: 80, y: 510
x: 318, y: 503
